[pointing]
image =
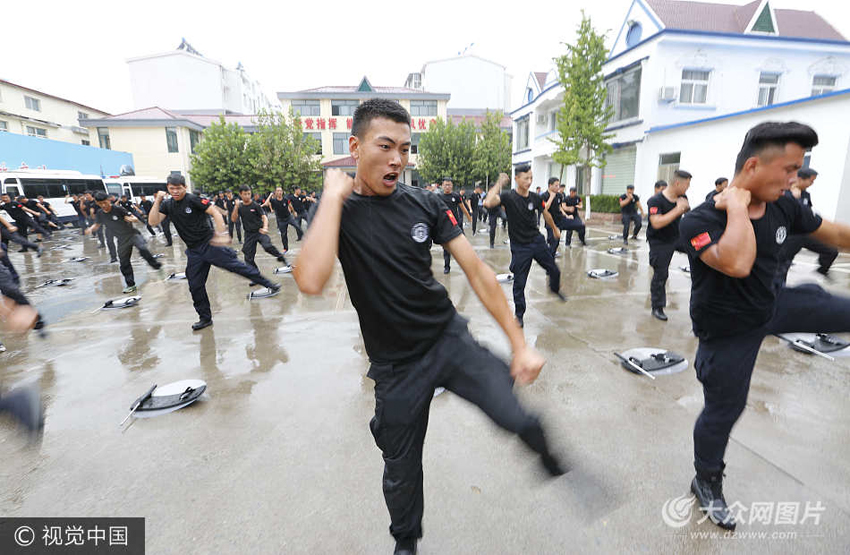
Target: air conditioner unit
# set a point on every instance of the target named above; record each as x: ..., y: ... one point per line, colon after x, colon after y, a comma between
x: 541, y: 119
x: 667, y: 94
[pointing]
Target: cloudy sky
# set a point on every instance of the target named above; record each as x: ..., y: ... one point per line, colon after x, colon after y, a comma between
x: 78, y: 50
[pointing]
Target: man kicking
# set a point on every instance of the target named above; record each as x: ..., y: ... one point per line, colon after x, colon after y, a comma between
x: 120, y: 223
x: 415, y: 339
x: 629, y: 207
x: 22, y: 216
x: 527, y: 243
x: 283, y: 216
x: 204, y: 248
x: 256, y: 225
x: 734, y: 243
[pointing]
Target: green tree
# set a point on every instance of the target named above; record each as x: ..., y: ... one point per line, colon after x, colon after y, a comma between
x: 582, y: 119
x: 447, y: 150
x: 221, y: 159
x: 492, y: 150
x: 280, y: 154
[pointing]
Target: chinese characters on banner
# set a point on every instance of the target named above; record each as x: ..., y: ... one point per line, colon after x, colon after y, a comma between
x: 417, y: 124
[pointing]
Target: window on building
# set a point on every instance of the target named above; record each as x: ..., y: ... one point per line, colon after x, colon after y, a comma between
x: 768, y: 85
x: 807, y: 158
x: 694, y: 89
x: 423, y: 108
x: 822, y: 84
x: 624, y: 94
x: 341, y: 143
x: 522, y: 133
x: 318, y: 138
x: 529, y: 94
x: 82, y: 115
x: 344, y: 107
x: 634, y: 33
x: 553, y: 120
x: 36, y: 132
x: 414, y: 142
x: 171, y: 138
x: 667, y: 165
x: 33, y: 103
x: 86, y: 142
x: 103, y: 138
x: 194, y: 139
x: 4, y: 126
x: 306, y: 107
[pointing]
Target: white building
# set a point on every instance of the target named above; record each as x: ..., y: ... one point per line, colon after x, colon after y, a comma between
x: 473, y: 82
x: 674, y: 62
x: 184, y: 80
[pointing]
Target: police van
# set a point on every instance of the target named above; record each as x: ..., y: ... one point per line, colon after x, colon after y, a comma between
x: 53, y: 185
x: 134, y: 186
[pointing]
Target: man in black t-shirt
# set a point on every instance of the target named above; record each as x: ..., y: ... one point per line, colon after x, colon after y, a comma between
x: 50, y: 214
x: 278, y: 202
x: 455, y: 203
x: 89, y: 209
x: 23, y: 217
x: 76, y: 203
x: 204, y: 247
x: 256, y: 225
x: 120, y: 222
x: 573, y: 207
x: 9, y: 232
x: 473, y: 200
x: 413, y: 335
x: 629, y: 206
x: 555, y: 203
x: 719, y: 185
x: 144, y: 207
x: 232, y: 225
x: 733, y: 244
x: 527, y: 244
x: 298, y: 201
x: 665, y: 213
x: 796, y: 242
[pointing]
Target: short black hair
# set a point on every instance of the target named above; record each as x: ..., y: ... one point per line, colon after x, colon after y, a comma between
x: 629, y: 187
x: 100, y: 196
x: 522, y: 168
x: 377, y: 108
x: 243, y: 188
x: 449, y: 179
x: 806, y: 173
x: 660, y: 183
x: 774, y: 134
x: 719, y: 180
x: 573, y: 188
x: 176, y: 179
x: 553, y: 180
x: 682, y: 174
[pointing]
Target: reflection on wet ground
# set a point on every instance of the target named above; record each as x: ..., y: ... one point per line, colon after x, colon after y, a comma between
x: 278, y: 450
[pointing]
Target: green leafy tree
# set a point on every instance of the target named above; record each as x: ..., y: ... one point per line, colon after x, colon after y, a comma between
x: 221, y: 159
x: 280, y: 154
x: 492, y: 154
x: 447, y: 150
x: 582, y: 119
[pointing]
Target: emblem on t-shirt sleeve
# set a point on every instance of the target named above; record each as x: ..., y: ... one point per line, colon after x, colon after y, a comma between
x: 205, y: 201
x: 419, y: 232
x: 451, y: 217
x: 700, y: 241
x: 653, y: 210
x: 781, y: 234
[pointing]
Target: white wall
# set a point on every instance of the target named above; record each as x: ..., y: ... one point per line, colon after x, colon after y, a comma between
x: 472, y: 82
x: 708, y: 151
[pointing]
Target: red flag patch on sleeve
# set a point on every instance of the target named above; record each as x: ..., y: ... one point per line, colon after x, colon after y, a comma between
x: 205, y: 201
x: 700, y: 241
x: 653, y: 210
x: 451, y: 217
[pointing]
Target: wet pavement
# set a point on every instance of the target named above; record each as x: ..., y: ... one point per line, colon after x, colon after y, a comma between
x: 277, y: 456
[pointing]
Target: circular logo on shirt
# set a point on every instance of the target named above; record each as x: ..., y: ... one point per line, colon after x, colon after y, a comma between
x: 530, y: 206
x: 188, y: 210
x: 115, y: 218
x: 419, y: 232
x: 781, y: 234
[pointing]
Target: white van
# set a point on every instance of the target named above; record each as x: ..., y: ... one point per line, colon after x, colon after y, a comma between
x: 134, y: 186
x: 53, y: 185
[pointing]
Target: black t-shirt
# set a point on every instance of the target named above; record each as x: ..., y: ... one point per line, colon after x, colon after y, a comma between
x: 452, y: 202
x: 709, y: 196
x: 572, y: 201
x: 297, y: 203
x: 76, y: 205
x: 669, y: 234
x: 32, y: 204
x: 15, y: 210
x: 281, y: 208
x: 473, y: 199
x: 805, y: 198
x: 723, y: 305
x: 114, y: 220
x: 522, y: 215
x: 221, y: 202
x: 631, y: 207
x: 127, y: 205
x: 403, y: 310
x: 146, y: 206
x: 251, y: 216
x: 89, y: 206
x: 190, y: 218
x: 555, y: 207
x: 229, y: 205
x: 45, y: 204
